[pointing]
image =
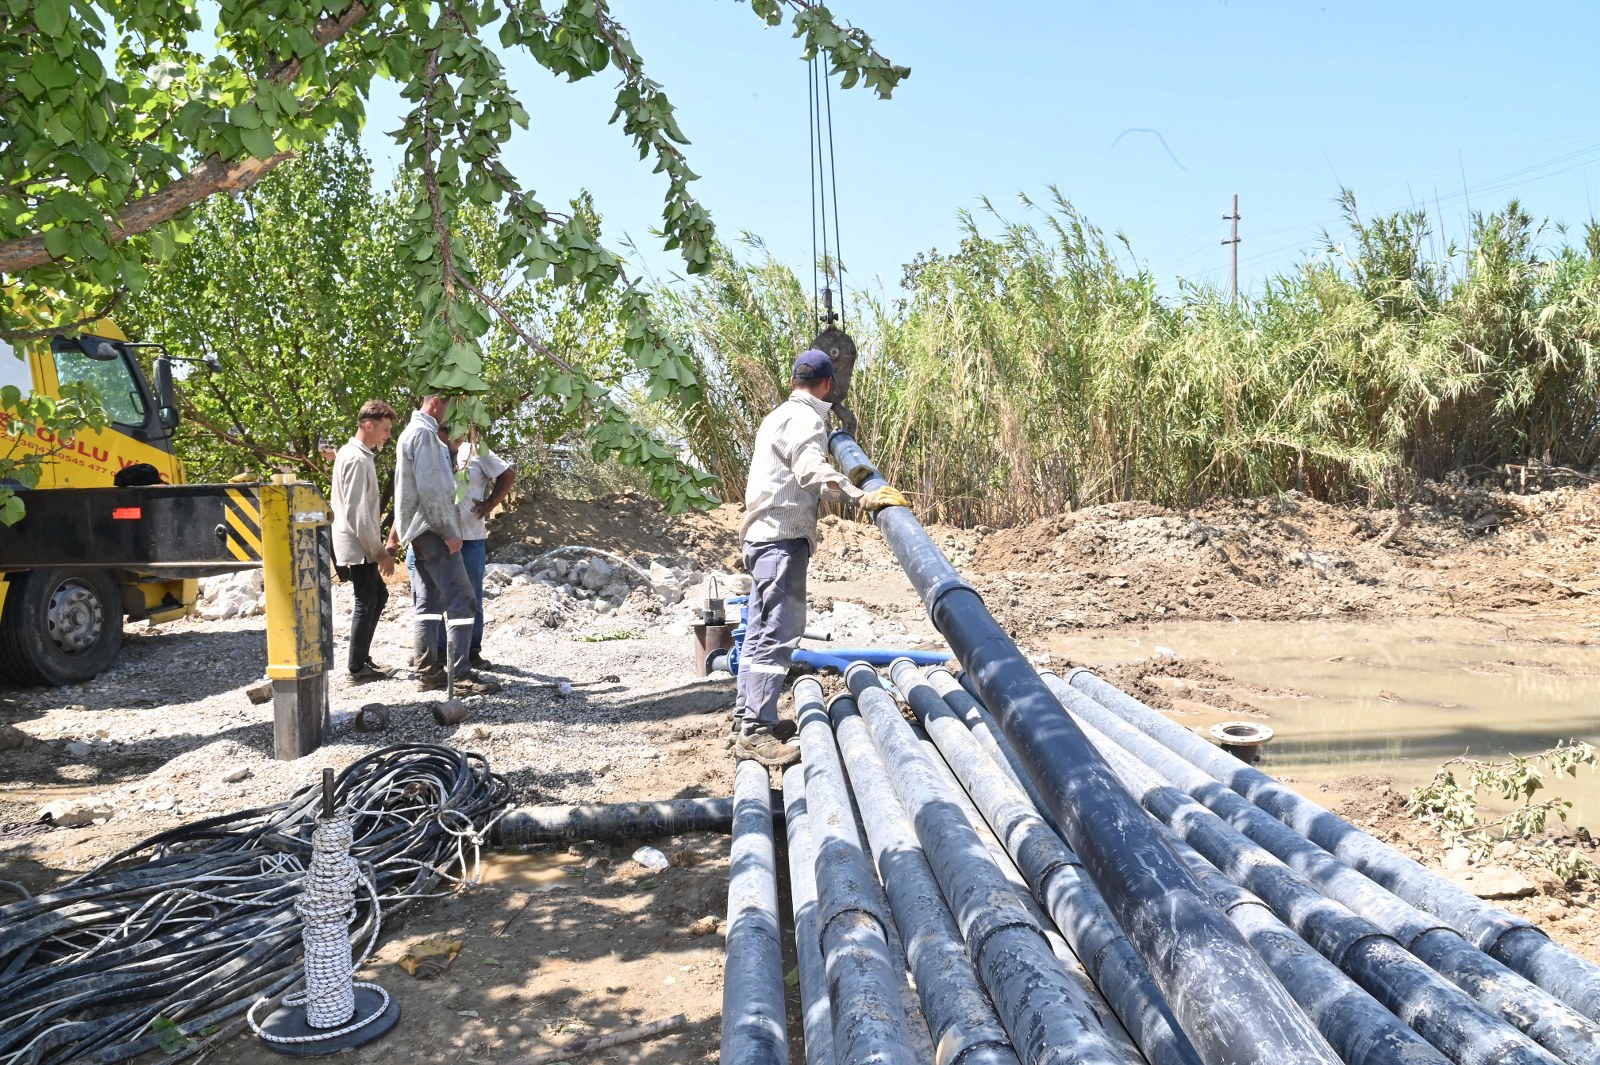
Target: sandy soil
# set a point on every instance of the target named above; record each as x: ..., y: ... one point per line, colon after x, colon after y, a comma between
x: 568, y: 943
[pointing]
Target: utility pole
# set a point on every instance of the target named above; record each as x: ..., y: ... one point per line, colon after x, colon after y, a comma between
x: 1233, y: 283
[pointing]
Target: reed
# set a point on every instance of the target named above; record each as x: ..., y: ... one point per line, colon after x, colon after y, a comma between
x: 1036, y: 368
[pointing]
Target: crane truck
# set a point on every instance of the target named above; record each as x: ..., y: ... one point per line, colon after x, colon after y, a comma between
x: 91, y: 553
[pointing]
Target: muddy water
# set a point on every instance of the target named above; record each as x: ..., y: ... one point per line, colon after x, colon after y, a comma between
x: 1392, y: 697
x: 530, y: 872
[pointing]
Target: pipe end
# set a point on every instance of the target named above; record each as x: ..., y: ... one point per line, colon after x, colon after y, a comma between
x: 857, y: 667
x: 812, y: 690
x: 1073, y: 672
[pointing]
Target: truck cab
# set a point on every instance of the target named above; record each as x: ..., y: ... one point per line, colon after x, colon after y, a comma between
x: 138, y: 431
x: 63, y: 625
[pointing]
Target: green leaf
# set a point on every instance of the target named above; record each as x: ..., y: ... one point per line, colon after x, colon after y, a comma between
x: 171, y: 1037
x: 53, y: 73
x: 51, y: 16
x: 11, y: 508
x: 259, y: 142
x: 58, y: 242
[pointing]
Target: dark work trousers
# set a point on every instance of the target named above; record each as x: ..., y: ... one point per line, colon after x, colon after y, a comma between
x: 445, y: 599
x: 473, y: 557
x: 777, y: 620
x: 372, y: 595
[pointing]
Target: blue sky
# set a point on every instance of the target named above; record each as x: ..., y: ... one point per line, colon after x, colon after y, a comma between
x: 1447, y: 104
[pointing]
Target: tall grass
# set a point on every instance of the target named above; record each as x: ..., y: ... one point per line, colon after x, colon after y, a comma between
x: 1036, y: 369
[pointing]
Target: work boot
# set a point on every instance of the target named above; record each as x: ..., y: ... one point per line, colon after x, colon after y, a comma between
x: 472, y: 684
x: 761, y: 744
x: 785, y: 730
x: 369, y: 672
x: 432, y: 680
x: 477, y: 661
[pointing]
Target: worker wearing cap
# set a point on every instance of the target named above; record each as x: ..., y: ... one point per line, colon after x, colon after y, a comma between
x: 789, y: 475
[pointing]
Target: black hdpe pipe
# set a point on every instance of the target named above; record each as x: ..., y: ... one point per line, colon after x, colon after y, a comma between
x: 1506, y: 937
x: 753, y: 1022
x: 976, y: 717
x: 1223, y: 995
x: 1047, y: 1015
x: 869, y: 1019
x: 1434, y: 1008
x: 816, y: 1014
x: 1550, y: 1022
x: 1050, y: 868
x: 961, y: 1019
x: 1360, y: 1029
x: 625, y: 820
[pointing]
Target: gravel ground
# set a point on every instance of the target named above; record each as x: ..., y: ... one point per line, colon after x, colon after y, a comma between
x: 130, y: 746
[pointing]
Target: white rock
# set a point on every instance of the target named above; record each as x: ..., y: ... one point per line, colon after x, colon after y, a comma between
x: 498, y: 573
x: 79, y: 749
x: 1165, y: 652
x: 598, y: 575
x: 651, y: 858
x: 660, y: 574
x: 73, y: 813
x: 232, y: 595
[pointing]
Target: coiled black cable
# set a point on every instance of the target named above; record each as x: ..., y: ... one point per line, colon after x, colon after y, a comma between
x: 195, y: 923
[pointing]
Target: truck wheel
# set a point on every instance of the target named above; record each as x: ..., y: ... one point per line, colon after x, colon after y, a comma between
x: 60, y: 626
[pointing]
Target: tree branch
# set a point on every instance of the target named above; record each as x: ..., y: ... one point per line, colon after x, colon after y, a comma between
x: 501, y: 313
x: 209, y: 178
x: 239, y: 442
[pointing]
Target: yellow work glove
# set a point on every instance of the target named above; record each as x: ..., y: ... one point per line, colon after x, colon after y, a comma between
x: 887, y: 496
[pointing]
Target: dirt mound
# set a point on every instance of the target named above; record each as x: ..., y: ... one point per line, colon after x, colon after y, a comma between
x: 634, y: 526
x: 1460, y: 550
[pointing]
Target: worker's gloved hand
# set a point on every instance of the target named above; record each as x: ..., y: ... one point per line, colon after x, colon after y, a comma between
x: 887, y: 496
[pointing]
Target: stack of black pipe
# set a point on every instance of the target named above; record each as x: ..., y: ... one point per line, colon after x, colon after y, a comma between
x: 1028, y: 868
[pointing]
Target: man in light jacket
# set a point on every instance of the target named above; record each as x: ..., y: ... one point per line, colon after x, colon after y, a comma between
x: 789, y: 475
x: 359, y: 554
x: 426, y: 519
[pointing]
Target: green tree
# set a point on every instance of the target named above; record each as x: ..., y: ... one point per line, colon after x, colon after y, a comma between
x: 99, y: 164
x: 296, y: 289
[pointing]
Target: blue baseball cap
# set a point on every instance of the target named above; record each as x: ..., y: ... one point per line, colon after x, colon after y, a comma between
x: 812, y: 365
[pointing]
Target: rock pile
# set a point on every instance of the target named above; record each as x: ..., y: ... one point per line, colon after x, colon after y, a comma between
x: 232, y: 595
x: 590, y: 579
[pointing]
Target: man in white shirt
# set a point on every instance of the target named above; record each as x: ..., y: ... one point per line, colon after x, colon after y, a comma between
x: 789, y: 475
x: 428, y: 522
x: 360, y: 556
x: 489, y: 480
